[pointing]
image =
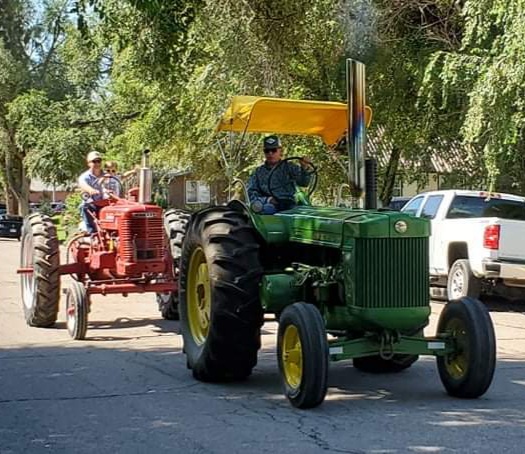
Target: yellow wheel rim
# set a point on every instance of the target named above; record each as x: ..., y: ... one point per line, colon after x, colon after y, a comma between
x: 199, y: 297
x: 457, y: 362
x: 292, y: 357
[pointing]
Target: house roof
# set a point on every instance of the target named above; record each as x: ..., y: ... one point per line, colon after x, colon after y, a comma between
x: 445, y: 158
x: 37, y: 185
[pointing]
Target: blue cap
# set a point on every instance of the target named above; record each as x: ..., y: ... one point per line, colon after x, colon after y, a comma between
x: 271, y: 143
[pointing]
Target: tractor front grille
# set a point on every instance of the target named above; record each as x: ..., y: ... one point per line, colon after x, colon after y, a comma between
x: 142, y: 239
x: 391, y: 272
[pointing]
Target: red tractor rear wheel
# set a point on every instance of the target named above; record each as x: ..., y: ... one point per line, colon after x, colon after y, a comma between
x: 175, y: 223
x: 41, y: 288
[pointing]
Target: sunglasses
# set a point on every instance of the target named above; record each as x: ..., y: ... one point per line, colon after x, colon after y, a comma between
x: 274, y: 150
x: 96, y: 161
x: 111, y: 170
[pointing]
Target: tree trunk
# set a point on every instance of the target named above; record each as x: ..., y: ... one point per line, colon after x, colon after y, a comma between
x: 390, y: 176
x: 17, y: 181
x: 11, y: 202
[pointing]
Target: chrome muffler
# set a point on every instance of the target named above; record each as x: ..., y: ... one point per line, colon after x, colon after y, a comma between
x: 145, y: 179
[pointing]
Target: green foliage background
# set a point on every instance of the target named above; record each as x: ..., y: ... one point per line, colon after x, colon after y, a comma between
x: 123, y: 75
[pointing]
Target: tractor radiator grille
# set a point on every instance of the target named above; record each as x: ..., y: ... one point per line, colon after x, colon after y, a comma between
x: 391, y: 272
x: 142, y: 239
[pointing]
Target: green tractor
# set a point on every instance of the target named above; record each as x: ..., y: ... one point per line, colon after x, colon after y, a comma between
x: 345, y: 283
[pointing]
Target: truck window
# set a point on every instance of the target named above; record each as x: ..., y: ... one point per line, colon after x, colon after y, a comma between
x: 479, y: 207
x: 412, y: 207
x: 431, y: 206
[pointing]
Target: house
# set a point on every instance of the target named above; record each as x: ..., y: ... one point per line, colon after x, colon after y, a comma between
x: 183, y: 189
x: 40, y: 191
x: 186, y: 190
x: 446, y: 166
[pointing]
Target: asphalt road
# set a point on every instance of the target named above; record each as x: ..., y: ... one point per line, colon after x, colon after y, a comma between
x: 126, y: 389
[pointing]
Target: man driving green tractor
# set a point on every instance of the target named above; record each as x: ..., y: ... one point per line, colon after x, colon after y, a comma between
x: 285, y: 175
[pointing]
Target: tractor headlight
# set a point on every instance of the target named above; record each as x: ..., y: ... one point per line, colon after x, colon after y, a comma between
x: 401, y: 227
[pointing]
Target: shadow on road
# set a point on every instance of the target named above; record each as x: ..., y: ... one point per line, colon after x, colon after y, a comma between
x: 501, y: 304
x: 151, y: 392
x: 97, y: 327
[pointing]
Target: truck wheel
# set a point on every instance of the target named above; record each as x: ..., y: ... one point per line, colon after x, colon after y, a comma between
x: 41, y: 288
x: 377, y: 365
x: 77, y: 308
x: 302, y: 352
x: 462, y: 282
x: 468, y: 371
x: 220, y: 311
x: 175, y: 223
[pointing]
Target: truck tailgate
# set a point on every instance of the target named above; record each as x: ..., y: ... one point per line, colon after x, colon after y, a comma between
x: 512, y: 240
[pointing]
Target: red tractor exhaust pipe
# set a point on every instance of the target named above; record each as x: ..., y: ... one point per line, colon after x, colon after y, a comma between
x: 145, y: 179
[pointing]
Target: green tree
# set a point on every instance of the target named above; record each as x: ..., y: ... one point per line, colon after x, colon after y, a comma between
x: 29, y: 60
x: 481, y: 84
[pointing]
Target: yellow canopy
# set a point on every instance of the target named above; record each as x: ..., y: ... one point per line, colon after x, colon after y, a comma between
x: 288, y: 116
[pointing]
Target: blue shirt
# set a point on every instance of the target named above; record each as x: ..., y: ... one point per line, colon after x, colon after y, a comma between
x: 92, y: 180
x: 283, y: 183
x: 112, y: 183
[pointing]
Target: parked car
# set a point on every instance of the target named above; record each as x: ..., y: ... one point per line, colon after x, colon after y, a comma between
x: 34, y: 207
x: 398, y: 202
x: 11, y: 226
x: 58, y: 207
x: 477, y: 240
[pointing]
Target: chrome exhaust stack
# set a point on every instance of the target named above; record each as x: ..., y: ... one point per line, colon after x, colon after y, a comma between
x: 356, y: 130
x: 145, y: 179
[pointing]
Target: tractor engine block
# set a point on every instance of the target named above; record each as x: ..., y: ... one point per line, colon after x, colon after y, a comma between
x: 137, y: 237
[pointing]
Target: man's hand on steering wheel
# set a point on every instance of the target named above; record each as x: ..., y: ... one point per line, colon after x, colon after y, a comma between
x: 305, y: 163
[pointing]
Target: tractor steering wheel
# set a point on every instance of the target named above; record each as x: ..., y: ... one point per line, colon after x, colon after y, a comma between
x: 105, y: 182
x: 313, y: 173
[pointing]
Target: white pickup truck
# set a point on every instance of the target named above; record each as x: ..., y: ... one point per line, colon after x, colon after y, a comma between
x: 477, y: 243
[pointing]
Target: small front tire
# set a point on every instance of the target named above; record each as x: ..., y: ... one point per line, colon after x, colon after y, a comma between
x: 468, y: 371
x: 302, y: 352
x: 77, y: 308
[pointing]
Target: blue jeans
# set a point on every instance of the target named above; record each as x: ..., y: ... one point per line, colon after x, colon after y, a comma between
x: 260, y: 205
x: 87, y: 211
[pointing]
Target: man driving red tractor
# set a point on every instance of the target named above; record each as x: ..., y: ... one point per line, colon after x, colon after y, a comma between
x: 90, y: 183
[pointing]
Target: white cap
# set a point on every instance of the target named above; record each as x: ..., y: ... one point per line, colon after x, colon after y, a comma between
x: 92, y: 155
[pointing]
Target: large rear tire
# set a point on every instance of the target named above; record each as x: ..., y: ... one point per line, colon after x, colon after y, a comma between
x: 468, y: 371
x: 175, y: 224
x: 41, y: 288
x: 220, y: 311
x: 302, y: 352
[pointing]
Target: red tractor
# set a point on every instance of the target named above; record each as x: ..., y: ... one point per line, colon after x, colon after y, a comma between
x: 132, y: 251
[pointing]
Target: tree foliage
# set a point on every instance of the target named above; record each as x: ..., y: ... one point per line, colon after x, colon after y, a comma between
x: 123, y: 75
x: 481, y: 84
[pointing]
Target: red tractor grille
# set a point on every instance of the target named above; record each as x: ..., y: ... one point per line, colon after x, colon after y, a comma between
x: 142, y: 239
